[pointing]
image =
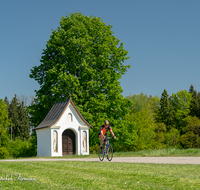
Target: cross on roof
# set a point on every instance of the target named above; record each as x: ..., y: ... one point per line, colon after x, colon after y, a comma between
x: 70, y: 96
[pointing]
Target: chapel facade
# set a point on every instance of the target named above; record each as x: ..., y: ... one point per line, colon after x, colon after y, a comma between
x: 63, y: 131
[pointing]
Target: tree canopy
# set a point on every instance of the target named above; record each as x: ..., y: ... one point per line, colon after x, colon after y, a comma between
x: 4, y: 120
x: 181, y: 102
x: 82, y: 58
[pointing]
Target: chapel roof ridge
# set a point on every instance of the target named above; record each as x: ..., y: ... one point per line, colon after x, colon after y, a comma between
x: 56, y: 112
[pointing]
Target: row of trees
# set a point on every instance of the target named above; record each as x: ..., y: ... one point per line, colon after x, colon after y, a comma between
x: 18, y: 116
x: 15, y: 139
x: 169, y: 121
x: 152, y: 122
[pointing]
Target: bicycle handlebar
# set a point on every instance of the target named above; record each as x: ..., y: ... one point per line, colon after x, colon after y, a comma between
x: 110, y: 138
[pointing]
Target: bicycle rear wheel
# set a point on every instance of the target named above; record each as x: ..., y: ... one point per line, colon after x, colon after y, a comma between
x: 110, y: 152
x: 101, y: 152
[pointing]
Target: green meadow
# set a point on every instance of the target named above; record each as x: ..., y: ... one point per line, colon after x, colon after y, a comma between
x: 97, y: 175
x: 170, y: 152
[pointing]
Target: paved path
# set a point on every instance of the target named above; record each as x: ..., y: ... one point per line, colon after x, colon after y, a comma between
x: 156, y: 160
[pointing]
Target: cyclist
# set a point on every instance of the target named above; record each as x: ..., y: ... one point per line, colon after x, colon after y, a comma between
x: 103, y: 132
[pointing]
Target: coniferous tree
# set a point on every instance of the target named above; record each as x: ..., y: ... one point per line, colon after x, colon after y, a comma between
x: 198, y: 97
x: 170, y: 119
x: 18, y: 115
x: 24, y: 122
x: 6, y: 102
x: 191, y: 90
x: 165, y: 112
x: 194, y: 107
x: 14, y: 117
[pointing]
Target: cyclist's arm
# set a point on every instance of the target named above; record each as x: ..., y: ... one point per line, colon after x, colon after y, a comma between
x: 102, y: 133
x: 111, y: 132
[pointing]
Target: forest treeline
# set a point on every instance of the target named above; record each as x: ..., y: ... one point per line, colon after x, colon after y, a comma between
x: 152, y: 123
x: 16, y: 139
x: 168, y: 121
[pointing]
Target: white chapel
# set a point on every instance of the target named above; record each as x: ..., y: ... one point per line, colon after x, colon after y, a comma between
x: 63, y: 131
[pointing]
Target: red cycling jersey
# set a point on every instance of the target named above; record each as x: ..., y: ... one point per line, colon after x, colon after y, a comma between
x: 105, y: 130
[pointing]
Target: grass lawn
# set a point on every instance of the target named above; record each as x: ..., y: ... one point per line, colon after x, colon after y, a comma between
x: 171, y: 152
x: 98, y: 175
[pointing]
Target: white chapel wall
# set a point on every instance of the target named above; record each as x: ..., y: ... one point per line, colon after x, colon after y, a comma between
x: 74, y: 124
x: 43, y: 142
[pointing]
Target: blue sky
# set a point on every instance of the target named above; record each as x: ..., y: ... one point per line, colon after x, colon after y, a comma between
x: 162, y: 37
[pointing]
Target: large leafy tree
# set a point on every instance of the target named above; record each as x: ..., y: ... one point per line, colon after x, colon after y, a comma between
x: 143, y: 113
x: 141, y: 101
x: 4, y: 122
x: 145, y: 138
x: 82, y: 58
x: 181, y: 102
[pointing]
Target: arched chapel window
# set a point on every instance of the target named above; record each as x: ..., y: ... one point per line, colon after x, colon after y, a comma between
x: 69, y: 117
x: 84, y: 141
x: 55, y: 141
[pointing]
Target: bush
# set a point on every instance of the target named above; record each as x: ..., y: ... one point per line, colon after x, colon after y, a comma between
x: 160, y: 138
x: 172, y: 138
x: 3, y: 152
x: 94, y: 149
x: 189, y: 140
x: 27, y: 148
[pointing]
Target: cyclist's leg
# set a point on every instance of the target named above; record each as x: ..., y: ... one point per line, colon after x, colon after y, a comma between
x: 102, y: 140
x: 106, y: 142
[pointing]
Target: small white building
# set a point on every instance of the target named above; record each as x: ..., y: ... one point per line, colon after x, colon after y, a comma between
x: 63, y: 131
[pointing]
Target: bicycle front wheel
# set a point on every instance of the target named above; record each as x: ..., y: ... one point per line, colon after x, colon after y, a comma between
x: 110, y: 152
x: 101, y: 153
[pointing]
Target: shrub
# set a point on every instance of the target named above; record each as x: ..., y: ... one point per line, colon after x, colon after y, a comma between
x: 160, y: 138
x: 172, y: 138
x: 27, y: 148
x: 94, y: 149
x: 188, y: 140
x: 3, y: 152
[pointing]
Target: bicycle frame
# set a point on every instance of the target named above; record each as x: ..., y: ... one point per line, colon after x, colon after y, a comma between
x: 107, y: 149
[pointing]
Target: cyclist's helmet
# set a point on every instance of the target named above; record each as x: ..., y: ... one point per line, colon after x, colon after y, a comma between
x: 106, y: 122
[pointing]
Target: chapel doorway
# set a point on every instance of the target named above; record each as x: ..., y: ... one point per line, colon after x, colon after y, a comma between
x: 68, y: 142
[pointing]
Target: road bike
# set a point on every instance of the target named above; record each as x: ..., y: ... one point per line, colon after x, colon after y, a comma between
x: 106, y: 150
